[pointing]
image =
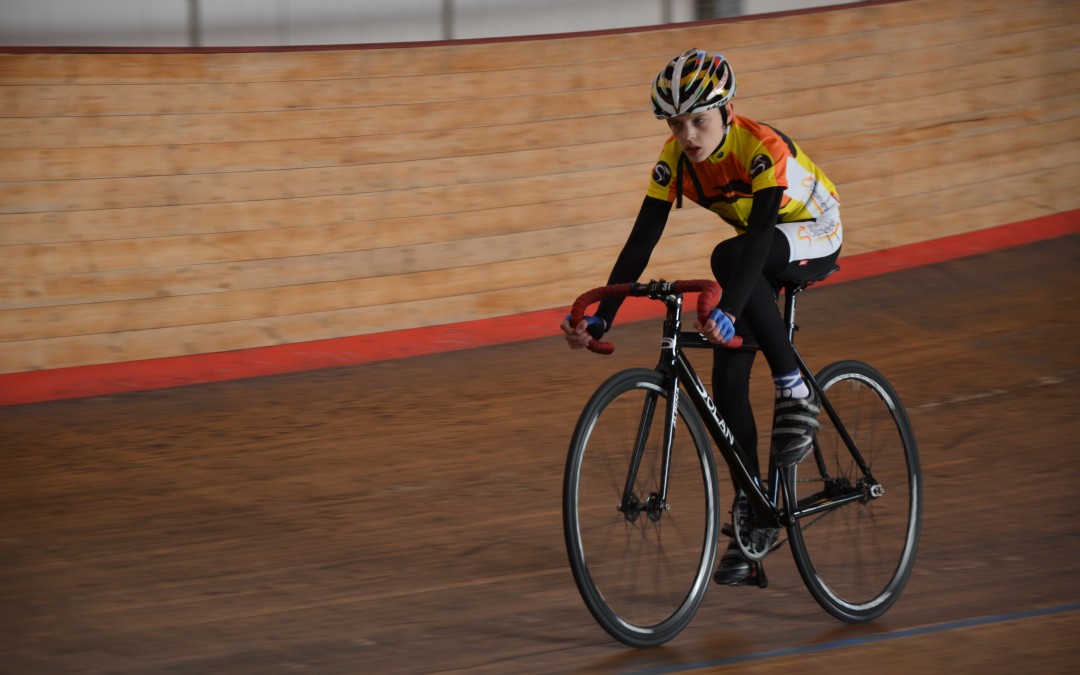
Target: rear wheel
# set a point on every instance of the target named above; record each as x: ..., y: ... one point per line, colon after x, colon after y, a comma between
x: 642, y: 562
x: 856, y: 557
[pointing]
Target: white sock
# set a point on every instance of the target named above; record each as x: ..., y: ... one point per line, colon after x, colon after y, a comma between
x: 791, y: 385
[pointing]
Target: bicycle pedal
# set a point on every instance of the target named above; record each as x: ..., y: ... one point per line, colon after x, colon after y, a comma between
x: 727, y: 530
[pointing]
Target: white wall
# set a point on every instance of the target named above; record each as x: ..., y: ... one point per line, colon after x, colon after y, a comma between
x: 181, y: 23
x: 152, y: 23
x: 484, y: 18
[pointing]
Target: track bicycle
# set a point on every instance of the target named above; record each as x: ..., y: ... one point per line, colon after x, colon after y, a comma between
x: 641, y: 498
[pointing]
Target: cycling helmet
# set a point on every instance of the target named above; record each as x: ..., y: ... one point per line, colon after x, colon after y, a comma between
x: 692, y: 82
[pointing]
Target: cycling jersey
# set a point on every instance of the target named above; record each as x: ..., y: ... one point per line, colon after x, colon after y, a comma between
x: 752, y: 157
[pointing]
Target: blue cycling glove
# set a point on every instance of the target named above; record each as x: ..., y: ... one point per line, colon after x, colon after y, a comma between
x: 723, y: 322
x: 595, y: 326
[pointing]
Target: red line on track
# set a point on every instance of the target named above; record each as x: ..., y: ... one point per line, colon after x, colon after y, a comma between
x: 112, y: 378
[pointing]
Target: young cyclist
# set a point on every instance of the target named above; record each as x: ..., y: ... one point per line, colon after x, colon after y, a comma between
x: 786, y: 215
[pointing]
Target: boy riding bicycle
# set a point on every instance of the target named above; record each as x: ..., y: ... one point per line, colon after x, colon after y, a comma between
x: 786, y: 214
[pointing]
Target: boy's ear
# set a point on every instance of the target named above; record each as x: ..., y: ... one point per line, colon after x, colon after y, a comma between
x: 726, y: 112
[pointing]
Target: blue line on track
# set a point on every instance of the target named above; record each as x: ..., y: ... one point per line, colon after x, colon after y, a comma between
x: 868, y: 639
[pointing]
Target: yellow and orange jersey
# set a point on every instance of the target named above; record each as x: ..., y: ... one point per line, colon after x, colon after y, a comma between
x: 752, y: 157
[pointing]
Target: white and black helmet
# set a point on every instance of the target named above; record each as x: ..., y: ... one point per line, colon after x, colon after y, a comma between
x: 692, y: 82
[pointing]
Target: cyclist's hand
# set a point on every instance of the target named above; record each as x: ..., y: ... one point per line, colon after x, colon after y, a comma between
x: 718, y: 329
x: 589, y: 328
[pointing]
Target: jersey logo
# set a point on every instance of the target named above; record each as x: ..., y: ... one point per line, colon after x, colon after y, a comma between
x: 661, y: 173
x: 759, y: 165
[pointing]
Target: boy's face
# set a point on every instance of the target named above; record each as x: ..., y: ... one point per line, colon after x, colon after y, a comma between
x: 698, y: 134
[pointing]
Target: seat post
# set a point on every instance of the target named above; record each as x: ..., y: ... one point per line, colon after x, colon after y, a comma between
x: 791, y: 289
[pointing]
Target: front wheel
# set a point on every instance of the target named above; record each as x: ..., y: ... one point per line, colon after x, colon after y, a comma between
x: 856, y: 554
x: 641, y: 551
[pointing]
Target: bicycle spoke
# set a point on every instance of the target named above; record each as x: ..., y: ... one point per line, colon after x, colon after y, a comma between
x: 642, y: 565
x: 856, y: 553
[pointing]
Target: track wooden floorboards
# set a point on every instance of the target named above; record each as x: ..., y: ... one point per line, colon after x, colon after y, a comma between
x: 404, y: 517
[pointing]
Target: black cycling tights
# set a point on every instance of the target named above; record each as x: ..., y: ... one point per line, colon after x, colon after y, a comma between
x: 760, y: 320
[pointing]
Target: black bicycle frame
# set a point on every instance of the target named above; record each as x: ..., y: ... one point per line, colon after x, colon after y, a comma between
x: 790, y: 291
x: 674, y: 364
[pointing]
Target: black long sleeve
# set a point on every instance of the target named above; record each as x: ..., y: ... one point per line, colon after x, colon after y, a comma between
x: 635, y: 254
x: 759, y: 235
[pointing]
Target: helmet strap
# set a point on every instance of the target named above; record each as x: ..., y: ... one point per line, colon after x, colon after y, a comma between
x: 678, y: 180
x: 684, y: 160
x: 725, y: 117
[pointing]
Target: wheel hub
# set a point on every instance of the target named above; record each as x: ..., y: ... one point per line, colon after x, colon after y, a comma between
x: 655, y: 507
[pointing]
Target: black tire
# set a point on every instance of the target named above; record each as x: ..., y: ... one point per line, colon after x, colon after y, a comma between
x: 856, y: 558
x: 642, y: 575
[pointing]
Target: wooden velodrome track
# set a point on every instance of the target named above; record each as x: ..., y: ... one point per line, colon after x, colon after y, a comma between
x: 159, y: 207
x: 404, y: 516
x: 189, y: 217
